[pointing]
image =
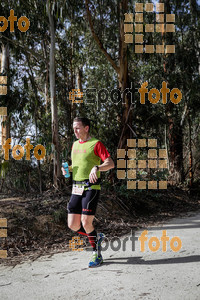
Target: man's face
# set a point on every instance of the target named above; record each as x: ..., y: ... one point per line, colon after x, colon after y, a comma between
x: 79, y: 130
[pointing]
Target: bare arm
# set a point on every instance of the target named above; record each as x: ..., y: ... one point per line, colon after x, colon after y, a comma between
x: 105, y: 166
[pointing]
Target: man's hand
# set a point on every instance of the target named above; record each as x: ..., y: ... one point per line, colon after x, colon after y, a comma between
x: 64, y: 172
x: 107, y: 165
x: 93, y: 175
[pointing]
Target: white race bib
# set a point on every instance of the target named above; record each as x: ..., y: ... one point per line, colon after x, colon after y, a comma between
x: 77, y: 190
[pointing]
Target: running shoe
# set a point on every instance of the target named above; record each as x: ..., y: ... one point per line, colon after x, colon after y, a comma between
x: 96, y: 260
x: 101, y: 237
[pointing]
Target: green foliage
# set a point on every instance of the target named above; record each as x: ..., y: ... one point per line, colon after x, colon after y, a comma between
x: 4, y: 166
x: 121, y: 191
x: 29, y: 104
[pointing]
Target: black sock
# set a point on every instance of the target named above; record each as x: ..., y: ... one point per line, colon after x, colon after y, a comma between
x: 81, y: 230
x: 92, y: 237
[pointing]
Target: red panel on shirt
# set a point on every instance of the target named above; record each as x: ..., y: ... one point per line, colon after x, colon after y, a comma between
x: 101, y: 151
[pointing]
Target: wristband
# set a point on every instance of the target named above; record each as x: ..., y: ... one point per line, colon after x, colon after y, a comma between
x: 97, y: 168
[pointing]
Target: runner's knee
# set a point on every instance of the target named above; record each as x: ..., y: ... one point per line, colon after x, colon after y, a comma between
x: 86, y: 223
x: 74, y: 227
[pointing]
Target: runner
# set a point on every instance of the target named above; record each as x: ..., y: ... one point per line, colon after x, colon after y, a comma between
x: 87, y: 154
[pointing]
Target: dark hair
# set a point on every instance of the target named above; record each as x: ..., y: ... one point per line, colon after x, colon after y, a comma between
x: 84, y: 121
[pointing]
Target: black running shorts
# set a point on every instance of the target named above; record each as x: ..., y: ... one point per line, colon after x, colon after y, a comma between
x: 85, y: 204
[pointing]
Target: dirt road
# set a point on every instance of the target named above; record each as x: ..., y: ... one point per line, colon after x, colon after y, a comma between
x: 125, y: 273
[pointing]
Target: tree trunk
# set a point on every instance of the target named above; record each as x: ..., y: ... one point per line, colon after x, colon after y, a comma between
x: 35, y: 118
x: 5, y: 120
x: 54, y: 116
x: 46, y: 85
x: 199, y: 56
x: 121, y: 70
x: 72, y: 73
x: 79, y: 79
x: 176, y: 151
x: 123, y: 79
x: 191, y: 172
x: 175, y: 127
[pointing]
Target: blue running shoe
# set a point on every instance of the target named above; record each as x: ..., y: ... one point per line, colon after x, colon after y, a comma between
x: 95, y: 261
x: 101, y: 237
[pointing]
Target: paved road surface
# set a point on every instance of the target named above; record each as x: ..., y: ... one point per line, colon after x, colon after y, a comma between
x: 124, y: 275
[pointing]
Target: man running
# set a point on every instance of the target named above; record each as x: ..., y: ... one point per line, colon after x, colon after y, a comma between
x: 87, y: 154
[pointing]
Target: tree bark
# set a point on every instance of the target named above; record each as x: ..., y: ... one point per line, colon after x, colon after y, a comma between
x: 121, y: 69
x: 176, y: 151
x: 175, y: 127
x: 35, y: 118
x: 73, y: 107
x: 79, y: 79
x: 46, y: 85
x: 123, y: 78
x: 6, y: 122
x: 191, y: 171
x: 54, y: 116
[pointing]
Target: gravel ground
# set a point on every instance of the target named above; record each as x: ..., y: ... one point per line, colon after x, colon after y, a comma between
x: 125, y: 274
